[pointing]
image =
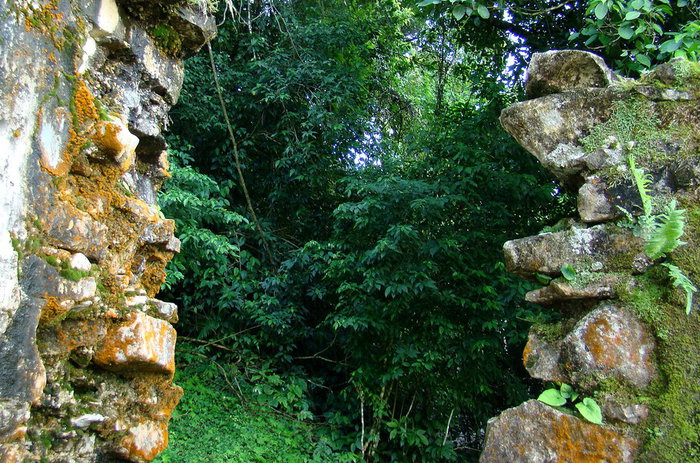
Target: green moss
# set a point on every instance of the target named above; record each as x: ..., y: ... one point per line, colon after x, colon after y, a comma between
x: 550, y: 332
x: 51, y: 260
x: 166, y: 39
x: 673, y: 397
x: 635, y: 127
x: 70, y: 273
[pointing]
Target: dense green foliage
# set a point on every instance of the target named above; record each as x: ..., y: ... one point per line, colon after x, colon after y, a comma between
x: 373, y: 311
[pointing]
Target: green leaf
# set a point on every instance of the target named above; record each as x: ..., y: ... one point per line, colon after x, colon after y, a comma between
x: 566, y: 390
x: 459, y: 11
x: 552, y: 397
x: 601, y: 11
x: 568, y: 272
x: 643, y: 59
x: 631, y: 15
x: 589, y: 409
x: 483, y: 11
x: 428, y: 2
x: 542, y: 278
x: 625, y: 32
x: 669, y: 46
x: 681, y: 280
x: 665, y: 236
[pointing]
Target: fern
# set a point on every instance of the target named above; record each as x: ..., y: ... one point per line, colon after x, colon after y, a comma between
x: 643, y: 182
x: 681, y: 280
x: 665, y: 232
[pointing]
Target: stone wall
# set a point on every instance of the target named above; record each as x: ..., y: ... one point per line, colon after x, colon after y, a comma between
x: 86, y: 350
x: 622, y: 336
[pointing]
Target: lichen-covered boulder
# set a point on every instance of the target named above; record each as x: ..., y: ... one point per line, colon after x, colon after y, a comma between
x: 599, y: 248
x: 536, y: 433
x: 559, y: 71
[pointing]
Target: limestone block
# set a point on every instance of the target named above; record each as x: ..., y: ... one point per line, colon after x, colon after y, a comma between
x: 195, y: 28
x: 166, y: 74
x: 69, y: 226
x: 22, y: 373
x: 52, y: 138
x: 541, y: 358
x: 165, y: 310
x: 78, y: 261
x: 615, y: 409
x: 44, y: 280
x: 140, y: 344
x: 610, y: 342
x: 144, y: 441
x: 550, y: 128
x: 593, y: 286
x: 159, y: 232
x: 535, y: 432
x: 558, y: 71
x: 13, y: 418
x: 602, y: 247
x: 116, y: 142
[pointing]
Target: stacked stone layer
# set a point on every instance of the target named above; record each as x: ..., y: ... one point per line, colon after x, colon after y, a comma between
x: 86, y: 350
x: 605, y: 345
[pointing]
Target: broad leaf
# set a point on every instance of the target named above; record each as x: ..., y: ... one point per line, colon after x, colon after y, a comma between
x: 625, y: 32
x: 601, y: 11
x: 589, y: 409
x: 552, y: 397
x: 568, y: 272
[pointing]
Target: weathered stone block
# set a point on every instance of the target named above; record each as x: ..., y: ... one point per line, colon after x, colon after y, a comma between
x: 610, y: 342
x: 602, y: 247
x: 558, y: 71
x: 535, y: 432
x: 141, y: 344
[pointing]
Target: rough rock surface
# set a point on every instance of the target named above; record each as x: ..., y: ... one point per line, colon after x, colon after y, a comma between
x: 622, y: 336
x: 86, y: 351
x: 535, y: 432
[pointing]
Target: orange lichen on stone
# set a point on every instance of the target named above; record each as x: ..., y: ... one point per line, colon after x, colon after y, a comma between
x: 85, y: 114
x: 75, y: 333
x: 145, y: 441
x: 141, y: 344
x: 526, y: 353
x: 534, y: 431
x: 154, y: 276
x: 601, y: 340
x: 47, y: 20
x: 52, y: 310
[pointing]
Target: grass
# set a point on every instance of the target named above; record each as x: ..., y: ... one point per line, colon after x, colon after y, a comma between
x: 213, y: 424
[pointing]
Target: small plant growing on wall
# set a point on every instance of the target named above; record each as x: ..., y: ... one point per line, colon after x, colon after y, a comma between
x: 564, y: 397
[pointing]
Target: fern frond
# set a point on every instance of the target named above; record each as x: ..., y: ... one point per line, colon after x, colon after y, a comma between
x: 681, y: 280
x: 643, y: 182
x: 664, y: 235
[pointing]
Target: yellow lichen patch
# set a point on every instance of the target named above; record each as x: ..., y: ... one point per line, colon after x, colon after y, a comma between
x: 526, y: 353
x: 85, y: 115
x: 142, y: 344
x: 576, y: 441
x: 52, y: 311
x: 145, y: 441
x: 75, y: 333
x: 154, y: 275
x: 47, y: 20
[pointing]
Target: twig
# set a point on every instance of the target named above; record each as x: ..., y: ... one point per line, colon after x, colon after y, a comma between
x: 447, y: 430
x: 239, y: 171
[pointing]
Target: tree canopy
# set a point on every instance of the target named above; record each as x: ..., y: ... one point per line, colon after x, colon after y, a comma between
x: 370, y: 297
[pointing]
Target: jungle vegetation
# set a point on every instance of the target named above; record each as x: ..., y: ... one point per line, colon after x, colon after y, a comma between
x: 355, y: 306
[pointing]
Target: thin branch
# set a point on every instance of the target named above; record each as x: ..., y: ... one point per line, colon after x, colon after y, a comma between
x: 239, y: 171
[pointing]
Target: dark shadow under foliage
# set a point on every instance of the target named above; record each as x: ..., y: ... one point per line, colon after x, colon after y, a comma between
x: 385, y: 311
